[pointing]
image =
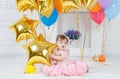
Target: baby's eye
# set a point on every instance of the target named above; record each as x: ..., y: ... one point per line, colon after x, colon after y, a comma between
x: 65, y: 42
x: 61, y: 42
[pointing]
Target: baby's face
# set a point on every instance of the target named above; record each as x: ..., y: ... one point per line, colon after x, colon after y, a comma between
x: 62, y: 44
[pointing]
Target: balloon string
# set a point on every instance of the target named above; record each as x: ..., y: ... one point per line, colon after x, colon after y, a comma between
x: 43, y: 27
x: 43, y: 30
x: 78, y: 28
x: 77, y: 23
x: 103, y: 37
x: 52, y: 32
x: 86, y: 28
x: 100, y: 34
x: 85, y: 34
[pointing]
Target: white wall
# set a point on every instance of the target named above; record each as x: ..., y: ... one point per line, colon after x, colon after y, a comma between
x: 8, y: 15
x: 67, y: 22
x: 112, y: 45
x: 112, y: 41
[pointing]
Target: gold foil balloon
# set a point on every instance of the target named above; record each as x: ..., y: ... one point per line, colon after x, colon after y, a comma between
x: 70, y: 4
x: 38, y: 51
x: 89, y: 4
x: 30, y: 69
x: 45, y: 7
x: 25, y: 28
x: 23, y: 5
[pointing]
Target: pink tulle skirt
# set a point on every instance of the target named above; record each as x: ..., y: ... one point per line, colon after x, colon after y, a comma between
x: 73, y: 68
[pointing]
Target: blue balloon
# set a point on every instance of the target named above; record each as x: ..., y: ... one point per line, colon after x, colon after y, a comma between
x: 113, y: 10
x: 51, y: 20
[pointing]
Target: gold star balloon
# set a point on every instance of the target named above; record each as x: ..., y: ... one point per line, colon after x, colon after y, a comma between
x: 25, y: 28
x: 89, y: 4
x: 23, y: 5
x: 45, y: 7
x: 30, y: 69
x: 71, y: 4
x: 38, y: 51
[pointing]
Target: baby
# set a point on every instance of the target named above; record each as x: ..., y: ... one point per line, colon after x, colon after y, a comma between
x: 60, y: 64
x: 61, y: 52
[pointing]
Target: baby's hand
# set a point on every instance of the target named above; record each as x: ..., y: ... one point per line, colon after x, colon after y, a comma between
x: 57, y: 54
x: 51, y: 57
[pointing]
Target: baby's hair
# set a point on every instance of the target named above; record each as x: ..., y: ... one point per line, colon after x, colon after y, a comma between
x: 61, y: 37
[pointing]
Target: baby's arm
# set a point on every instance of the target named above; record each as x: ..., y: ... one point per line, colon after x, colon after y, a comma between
x: 60, y: 58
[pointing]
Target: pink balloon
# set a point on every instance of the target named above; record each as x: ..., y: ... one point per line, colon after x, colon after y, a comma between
x: 98, y: 17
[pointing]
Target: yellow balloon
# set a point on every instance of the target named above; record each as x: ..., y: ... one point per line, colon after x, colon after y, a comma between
x: 89, y: 4
x: 45, y: 7
x: 25, y: 28
x: 70, y: 4
x: 23, y: 5
x: 30, y: 69
x: 38, y: 51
